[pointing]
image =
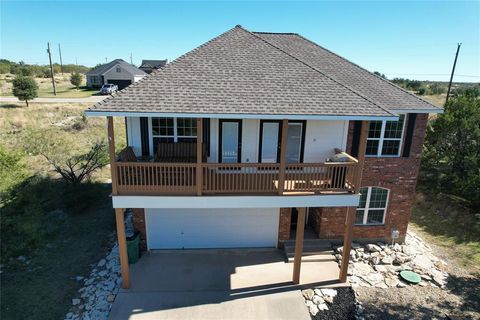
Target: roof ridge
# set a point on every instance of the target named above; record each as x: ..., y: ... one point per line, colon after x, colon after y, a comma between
x: 328, y: 76
x: 360, y: 67
x: 264, y: 32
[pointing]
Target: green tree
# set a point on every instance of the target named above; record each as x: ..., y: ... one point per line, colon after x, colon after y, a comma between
x: 76, y: 79
x: 380, y: 74
x: 451, y: 159
x: 24, y: 88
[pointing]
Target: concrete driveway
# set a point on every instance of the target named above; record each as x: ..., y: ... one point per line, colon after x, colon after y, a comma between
x: 219, y: 284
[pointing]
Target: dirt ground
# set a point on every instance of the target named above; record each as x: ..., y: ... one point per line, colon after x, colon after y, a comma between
x: 459, y: 300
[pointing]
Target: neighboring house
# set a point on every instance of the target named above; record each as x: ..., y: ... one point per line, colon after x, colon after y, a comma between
x: 149, y: 65
x: 232, y: 145
x: 117, y: 72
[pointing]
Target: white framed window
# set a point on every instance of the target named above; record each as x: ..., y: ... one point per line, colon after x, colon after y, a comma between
x: 373, y: 206
x: 174, y: 129
x: 385, y: 137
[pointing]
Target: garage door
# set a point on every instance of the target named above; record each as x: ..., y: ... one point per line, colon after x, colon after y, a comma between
x: 211, y: 228
x: 120, y: 83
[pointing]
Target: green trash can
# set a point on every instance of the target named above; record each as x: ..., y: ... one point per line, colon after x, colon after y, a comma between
x: 133, y: 248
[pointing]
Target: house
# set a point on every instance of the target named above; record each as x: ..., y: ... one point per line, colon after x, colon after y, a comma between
x: 116, y: 72
x: 255, y: 134
x: 149, y: 65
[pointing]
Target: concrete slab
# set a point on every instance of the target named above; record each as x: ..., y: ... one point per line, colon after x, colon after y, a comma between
x: 219, y: 284
x: 208, y: 305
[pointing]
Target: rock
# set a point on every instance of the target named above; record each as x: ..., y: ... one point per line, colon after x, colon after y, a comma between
x: 381, y: 285
x: 397, y: 247
x: 339, y: 249
x: 362, y: 269
x: 401, y: 284
x: 308, y: 294
x: 388, y: 250
x: 328, y: 299
x: 75, y: 302
x: 375, y: 260
x: 423, y: 262
x: 387, y: 260
x: 422, y: 284
x: 79, y: 278
x: 391, y: 282
x: 380, y: 268
x: 408, y: 250
x: 318, y: 292
x: 103, y: 273
x: 373, y: 247
x: 21, y: 258
x: 374, y: 278
x: 101, y: 263
x: 318, y: 300
x: 329, y: 292
x: 322, y: 307
x: 312, y: 307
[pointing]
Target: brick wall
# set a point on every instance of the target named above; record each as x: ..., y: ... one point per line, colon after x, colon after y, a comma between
x: 399, y: 175
x: 284, y: 225
x: 138, y: 215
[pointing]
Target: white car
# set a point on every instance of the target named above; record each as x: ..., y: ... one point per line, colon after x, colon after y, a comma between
x: 108, y: 88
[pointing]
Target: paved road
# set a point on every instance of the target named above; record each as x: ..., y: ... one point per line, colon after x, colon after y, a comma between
x: 91, y: 99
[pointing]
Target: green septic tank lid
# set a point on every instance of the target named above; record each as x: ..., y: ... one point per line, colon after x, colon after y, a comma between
x: 410, y: 276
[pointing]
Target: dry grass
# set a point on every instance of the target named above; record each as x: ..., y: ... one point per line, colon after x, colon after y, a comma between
x: 438, y: 100
x: 61, y: 126
x: 64, y: 88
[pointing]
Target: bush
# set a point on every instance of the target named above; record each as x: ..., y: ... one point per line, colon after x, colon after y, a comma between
x: 78, y: 168
x: 12, y: 169
x: 437, y: 88
x: 451, y: 159
x: 24, y: 88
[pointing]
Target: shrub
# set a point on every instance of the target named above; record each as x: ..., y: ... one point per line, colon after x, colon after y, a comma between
x: 12, y: 169
x: 24, y: 88
x: 78, y: 168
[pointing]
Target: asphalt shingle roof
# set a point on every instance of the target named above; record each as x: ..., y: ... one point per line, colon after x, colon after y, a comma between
x: 153, y: 63
x: 107, y: 66
x: 240, y: 72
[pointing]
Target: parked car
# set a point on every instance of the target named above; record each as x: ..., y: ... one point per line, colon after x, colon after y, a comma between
x: 108, y: 88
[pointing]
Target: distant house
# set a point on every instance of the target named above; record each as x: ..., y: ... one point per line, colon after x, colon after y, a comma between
x: 149, y: 65
x: 117, y: 72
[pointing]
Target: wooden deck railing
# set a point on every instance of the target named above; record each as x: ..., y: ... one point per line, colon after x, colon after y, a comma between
x: 237, y: 178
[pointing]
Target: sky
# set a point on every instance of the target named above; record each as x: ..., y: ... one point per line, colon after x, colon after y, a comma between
x: 405, y: 39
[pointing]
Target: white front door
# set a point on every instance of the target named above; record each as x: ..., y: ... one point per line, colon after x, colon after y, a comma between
x: 269, y: 150
x: 211, y: 228
x: 230, y: 134
x: 294, y: 142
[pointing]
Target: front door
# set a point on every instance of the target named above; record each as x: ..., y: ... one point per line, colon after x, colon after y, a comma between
x: 230, y: 141
x: 269, y: 141
x: 295, y: 142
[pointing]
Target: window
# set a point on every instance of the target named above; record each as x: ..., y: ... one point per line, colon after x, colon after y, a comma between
x: 385, y: 137
x: 119, y: 69
x: 174, y: 129
x: 372, y: 207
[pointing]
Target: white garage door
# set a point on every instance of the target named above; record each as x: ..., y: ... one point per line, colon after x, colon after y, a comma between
x: 211, y: 228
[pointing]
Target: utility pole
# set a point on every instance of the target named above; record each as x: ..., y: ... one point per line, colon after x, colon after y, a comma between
x: 453, y: 71
x: 131, y: 59
x: 105, y: 59
x: 51, y: 69
x: 76, y: 61
x: 61, y: 62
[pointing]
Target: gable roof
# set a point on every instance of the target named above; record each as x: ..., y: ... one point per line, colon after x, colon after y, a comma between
x: 243, y: 73
x: 107, y: 66
x: 153, y: 63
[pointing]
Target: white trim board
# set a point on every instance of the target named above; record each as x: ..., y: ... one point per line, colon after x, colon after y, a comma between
x: 91, y: 113
x: 439, y: 110
x: 194, y: 202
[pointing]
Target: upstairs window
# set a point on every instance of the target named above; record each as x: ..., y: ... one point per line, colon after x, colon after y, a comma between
x: 119, y: 69
x: 372, y: 207
x: 385, y: 137
x: 174, y: 129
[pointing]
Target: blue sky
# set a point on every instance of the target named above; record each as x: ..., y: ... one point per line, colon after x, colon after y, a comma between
x: 401, y: 39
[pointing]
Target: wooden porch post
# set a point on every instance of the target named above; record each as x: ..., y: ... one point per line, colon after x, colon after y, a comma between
x: 199, y: 169
x: 122, y: 248
x: 351, y: 211
x: 283, y: 157
x: 297, y: 262
x: 111, y: 151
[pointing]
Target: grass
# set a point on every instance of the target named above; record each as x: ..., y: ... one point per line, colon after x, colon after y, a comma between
x: 59, y: 229
x: 45, y: 90
x: 450, y: 226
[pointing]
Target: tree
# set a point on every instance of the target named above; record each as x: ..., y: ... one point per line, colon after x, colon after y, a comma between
x: 76, y: 79
x: 451, y: 159
x: 380, y: 74
x: 24, y: 88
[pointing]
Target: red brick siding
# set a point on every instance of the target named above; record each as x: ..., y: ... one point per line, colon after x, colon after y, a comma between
x: 284, y: 225
x: 138, y: 215
x: 399, y: 175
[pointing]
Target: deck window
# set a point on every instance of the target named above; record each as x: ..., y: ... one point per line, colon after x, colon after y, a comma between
x: 385, y: 137
x: 174, y: 129
x: 372, y: 207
